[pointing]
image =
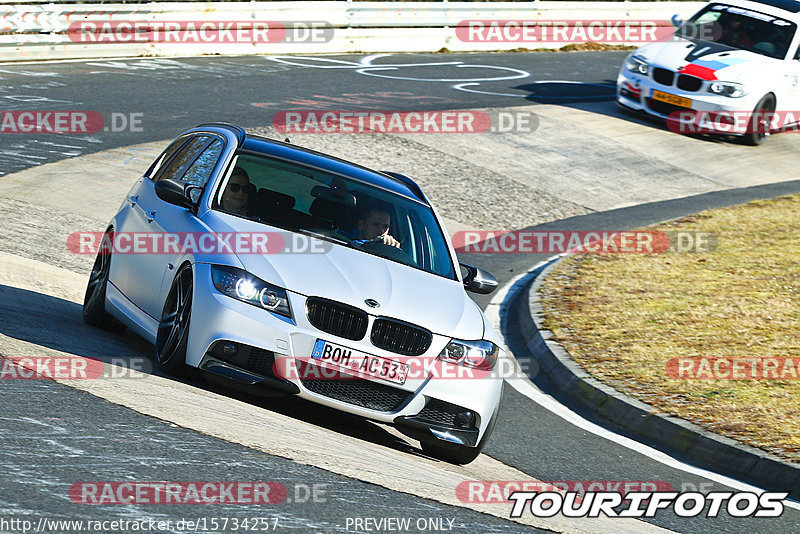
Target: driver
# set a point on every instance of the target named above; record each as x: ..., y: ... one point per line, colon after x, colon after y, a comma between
x: 373, y: 226
x: 736, y: 33
x: 235, y: 198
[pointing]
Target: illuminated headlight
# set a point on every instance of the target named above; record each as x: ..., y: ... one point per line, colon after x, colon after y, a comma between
x: 733, y: 90
x: 476, y: 354
x: 639, y: 66
x: 241, y: 285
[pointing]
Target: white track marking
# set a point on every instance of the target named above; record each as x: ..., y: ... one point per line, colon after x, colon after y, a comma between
x: 517, y: 74
x: 365, y: 66
x: 365, y: 61
x: 496, y: 312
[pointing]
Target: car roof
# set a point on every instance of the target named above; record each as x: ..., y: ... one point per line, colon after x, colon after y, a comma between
x: 394, y: 182
x: 787, y: 9
x: 787, y: 5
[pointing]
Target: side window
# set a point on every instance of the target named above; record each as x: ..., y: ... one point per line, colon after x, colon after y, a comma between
x: 165, y: 156
x: 183, y: 159
x: 200, y: 171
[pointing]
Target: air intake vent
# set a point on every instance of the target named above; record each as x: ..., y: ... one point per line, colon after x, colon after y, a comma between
x: 336, y: 318
x: 261, y: 361
x: 440, y: 412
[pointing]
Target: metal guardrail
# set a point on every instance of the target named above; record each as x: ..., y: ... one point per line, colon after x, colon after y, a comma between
x: 31, y: 31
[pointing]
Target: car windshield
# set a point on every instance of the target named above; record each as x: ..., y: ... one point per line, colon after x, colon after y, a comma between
x: 741, y: 28
x: 351, y: 213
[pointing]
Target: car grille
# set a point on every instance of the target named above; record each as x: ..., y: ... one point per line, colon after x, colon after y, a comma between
x: 663, y: 107
x: 663, y: 76
x: 336, y: 318
x: 363, y: 393
x: 399, y: 337
x: 689, y: 83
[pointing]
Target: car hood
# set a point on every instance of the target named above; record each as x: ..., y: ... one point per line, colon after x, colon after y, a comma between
x: 350, y: 276
x: 706, y: 60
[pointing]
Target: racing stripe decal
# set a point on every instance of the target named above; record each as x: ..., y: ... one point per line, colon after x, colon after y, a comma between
x: 707, y: 69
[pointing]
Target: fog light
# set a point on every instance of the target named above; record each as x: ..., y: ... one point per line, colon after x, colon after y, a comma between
x: 465, y: 419
x: 229, y: 348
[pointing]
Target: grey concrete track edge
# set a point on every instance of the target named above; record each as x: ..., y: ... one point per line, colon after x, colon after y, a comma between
x: 675, y: 436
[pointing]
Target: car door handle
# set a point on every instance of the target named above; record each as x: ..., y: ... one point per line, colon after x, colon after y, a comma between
x: 133, y: 199
x: 151, y: 216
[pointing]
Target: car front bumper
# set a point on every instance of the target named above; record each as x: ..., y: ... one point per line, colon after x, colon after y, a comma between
x: 217, y: 319
x: 636, y: 92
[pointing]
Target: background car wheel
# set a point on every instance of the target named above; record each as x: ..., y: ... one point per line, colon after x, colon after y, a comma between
x: 459, y: 454
x: 94, y: 301
x: 173, y: 328
x: 759, y: 127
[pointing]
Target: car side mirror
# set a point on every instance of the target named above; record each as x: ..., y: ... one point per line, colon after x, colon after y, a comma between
x: 477, y: 280
x: 677, y: 21
x: 797, y: 54
x: 178, y: 193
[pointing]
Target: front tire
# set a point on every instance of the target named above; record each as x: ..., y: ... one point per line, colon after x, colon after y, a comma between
x: 94, y: 300
x: 173, y: 328
x: 759, y: 126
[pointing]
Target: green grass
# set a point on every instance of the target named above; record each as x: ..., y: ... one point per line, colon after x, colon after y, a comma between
x: 622, y: 317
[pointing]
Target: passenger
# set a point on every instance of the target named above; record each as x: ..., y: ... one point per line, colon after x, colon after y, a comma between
x: 236, y: 197
x: 373, y: 226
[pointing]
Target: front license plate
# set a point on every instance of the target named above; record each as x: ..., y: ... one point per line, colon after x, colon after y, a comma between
x: 359, y: 362
x: 672, y: 99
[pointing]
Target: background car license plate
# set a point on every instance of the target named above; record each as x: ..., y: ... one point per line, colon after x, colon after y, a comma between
x: 360, y: 362
x: 672, y: 99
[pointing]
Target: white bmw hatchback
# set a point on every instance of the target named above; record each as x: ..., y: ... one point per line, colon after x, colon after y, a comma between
x: 731, y: 66
x: 279, y: 267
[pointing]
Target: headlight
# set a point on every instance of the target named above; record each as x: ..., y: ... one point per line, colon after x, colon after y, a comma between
x: 731, y: 89
x: 476, y: 354
x: 241, y: 285
x: 639, y: 66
